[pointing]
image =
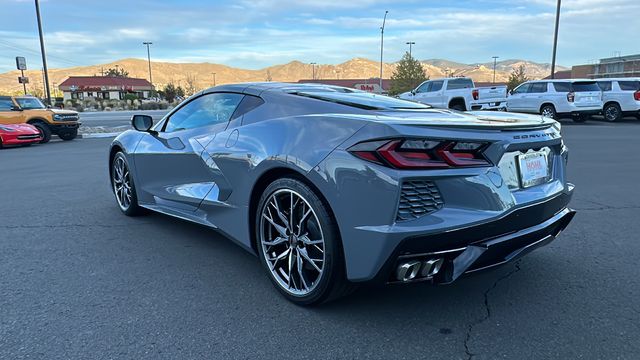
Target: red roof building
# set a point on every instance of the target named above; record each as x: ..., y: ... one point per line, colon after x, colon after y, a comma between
x: 371, y: 85
x: 104, y: 87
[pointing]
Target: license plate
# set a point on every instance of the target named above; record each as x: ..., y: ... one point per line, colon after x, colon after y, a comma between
x: 534, y: 169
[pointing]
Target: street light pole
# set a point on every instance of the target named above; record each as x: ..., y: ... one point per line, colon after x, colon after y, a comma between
x: 555, y: 42
x: 495, y: 59
x: 382, y: 44
x: 44, y: 56
x: 149, y: 61
x: 410, y: 43
x: 313, y: 70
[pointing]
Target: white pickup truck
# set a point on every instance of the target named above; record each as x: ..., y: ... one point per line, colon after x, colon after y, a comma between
x: 458, y: 93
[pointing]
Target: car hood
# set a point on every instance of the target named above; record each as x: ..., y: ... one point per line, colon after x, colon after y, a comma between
x: 63, y: 112
x: 471, y: 119
x: 21, y: 128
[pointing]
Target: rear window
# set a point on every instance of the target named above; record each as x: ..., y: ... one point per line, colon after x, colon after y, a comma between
x: 6, y: 104
x: 629, y: 85
x: 585, y: 86
x: 459, y: 84
x: 562, y: 86
x: 359, y: 99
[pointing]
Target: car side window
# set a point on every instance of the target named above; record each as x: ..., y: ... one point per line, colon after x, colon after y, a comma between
x: 6, y: 104
x: 629, y: 85
x: 424, y: 87
x: 538, y: 88
x: 522, y: 89
x: 562, y: 87
x: 463, y: 83
x: 208, y: 109
x: 436, y: 85
x: 604, y: 85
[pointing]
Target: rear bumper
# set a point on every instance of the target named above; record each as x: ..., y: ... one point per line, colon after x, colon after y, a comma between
x: 492, y: 105
x: 485, y: 245
x: 484, y: 254
x: 585, y: 112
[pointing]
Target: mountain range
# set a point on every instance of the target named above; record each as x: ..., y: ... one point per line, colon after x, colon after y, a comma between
x: 201, y: 74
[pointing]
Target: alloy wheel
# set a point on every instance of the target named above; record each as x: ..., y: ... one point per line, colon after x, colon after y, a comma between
x: 548, y: 112
x: 122, y: 183
x: 611, y: 113
x: 292, y: 242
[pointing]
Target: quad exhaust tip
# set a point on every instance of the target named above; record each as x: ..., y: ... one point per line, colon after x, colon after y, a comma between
x: 418, y: 270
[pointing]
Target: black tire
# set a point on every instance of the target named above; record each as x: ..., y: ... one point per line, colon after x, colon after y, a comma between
x: 133, y: 209
x: 332, y: 283
x: 549, y: 110
x: 68, y: 135
x: 44, y: 130
x: 457, y: 107
x: 580, y: 118
x: 612, y: 112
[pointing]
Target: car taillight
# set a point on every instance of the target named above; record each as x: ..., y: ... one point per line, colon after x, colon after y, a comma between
x: 422, y: 153
x: 636, y: 95
x: 475, y: 93
x: 571, y: 96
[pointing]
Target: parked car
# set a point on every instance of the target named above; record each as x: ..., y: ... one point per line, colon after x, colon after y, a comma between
x: 19, y: 134
x: 458, y: 93
x: 331, y: 187
x: 621, y: 97
x: 30, y: 110
x: 579, y: 99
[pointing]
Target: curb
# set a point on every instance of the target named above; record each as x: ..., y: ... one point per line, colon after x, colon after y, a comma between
x: 98, y: 135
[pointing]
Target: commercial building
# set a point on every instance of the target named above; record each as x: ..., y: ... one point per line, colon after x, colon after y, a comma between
x: 104, y: 87
x: 370, y: 85
x: 619, y: 66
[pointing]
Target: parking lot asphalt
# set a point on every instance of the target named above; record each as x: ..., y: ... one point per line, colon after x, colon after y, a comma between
x: 79, y: 280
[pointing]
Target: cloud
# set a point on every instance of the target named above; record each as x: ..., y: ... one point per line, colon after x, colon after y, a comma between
x: 259, y: 33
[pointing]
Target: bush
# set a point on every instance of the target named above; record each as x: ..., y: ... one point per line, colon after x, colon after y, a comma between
x: 130, y: 97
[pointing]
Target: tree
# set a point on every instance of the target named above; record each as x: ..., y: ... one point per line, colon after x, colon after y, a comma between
x: 408, y: 74
x: 268, y: 78
x: 190, y: 86
x: 117, y: 72
x: 517, y: 77
x: 169, y: 92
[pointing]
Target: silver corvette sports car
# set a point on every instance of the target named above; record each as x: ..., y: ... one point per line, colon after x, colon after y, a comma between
x: 331, y: 187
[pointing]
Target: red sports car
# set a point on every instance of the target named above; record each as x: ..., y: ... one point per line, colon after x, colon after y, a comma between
x: 19, y: 134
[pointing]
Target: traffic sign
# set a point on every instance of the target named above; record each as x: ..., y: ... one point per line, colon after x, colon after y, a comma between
x: 21, y: 63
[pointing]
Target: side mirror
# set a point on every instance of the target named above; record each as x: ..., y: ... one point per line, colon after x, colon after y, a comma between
x: 413, y: 92
x: 16, y: 108
x: 142, y: 122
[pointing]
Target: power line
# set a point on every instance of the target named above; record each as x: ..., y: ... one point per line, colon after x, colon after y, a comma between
x: 34, y: 52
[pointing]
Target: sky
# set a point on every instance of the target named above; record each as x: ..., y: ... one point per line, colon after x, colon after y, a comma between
x: 258, y: 33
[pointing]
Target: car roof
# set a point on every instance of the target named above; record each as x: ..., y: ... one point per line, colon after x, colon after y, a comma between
x: 619, y: 79
x: 561, y: 80
x: 256, y: 88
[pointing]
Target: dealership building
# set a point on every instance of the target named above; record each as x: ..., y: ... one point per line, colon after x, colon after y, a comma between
x: 104, y: 87
x: 619, y: 66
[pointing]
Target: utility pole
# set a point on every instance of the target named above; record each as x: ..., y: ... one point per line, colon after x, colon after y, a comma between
x: 555, y: 42
x: 382, y: 44
x: 495, y: 60
x: 44, y: 56
x: 313, y: 70
x: 214, y: 79
x: 149, y: 61
x: 410, y: 43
